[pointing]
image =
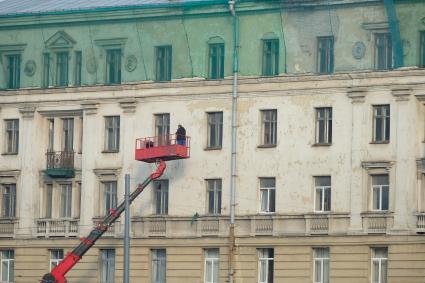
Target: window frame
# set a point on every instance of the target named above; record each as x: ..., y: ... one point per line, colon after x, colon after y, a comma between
x: 163, y: 63
x: 321, y: 260
x: 113, y: 64
x: 271, y: 125
x: 13, y: 70
x: 66, y: 200
x: 162, y: 128
x: 78, y: 67
x: 56, y: 256
x: 267, y: 260
x: 46, y: 70
x: 385, y: 123
x: 325, y: 191
x: 8, y: 257
x: 214, y: 187
x: 381, y: 187
x: 327, y: 127
x: 380, y: 260
x: 325, y: 50
x: 214, y: 262
x: 387, y: 49
x: 216, y: 57
x: 68, y: 134
x: 107, y: 265
x: 215, y: 124
x: 161, y: 196
x: 271, y: 196
x: 8, y: 205
x: 112, y: 131
x: 11, y: 136
x: 159, y: 263
x: 270, y: 63
x: 62, y: 68
x: 109, y: 196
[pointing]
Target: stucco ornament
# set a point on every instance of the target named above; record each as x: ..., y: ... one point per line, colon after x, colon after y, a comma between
x: 359, y: 49
x: 130, y: 63
x: 91, y: 65
x: 30, y: 68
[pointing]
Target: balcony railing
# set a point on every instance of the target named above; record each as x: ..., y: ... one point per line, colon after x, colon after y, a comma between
x: 60, y: 163
x: 420, y: 223
x: 7, y: 227
x: 377, y: 222
x: 57, y: 228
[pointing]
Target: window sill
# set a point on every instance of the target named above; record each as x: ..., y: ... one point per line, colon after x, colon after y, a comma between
x: 9, y: 153
x: 379, y: 142
x: 110, y: 151
x: 266, y: 213
x: 267, y: 146
x: 321, y: 144
x: 213, y: 148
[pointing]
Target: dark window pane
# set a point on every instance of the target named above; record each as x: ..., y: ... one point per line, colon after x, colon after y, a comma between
x: 13, y: 71
x: 270, y: 57
x: 163, y: 63
x: 113, y: 63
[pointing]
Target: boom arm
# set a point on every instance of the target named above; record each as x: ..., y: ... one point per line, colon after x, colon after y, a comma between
x: 57, y: 275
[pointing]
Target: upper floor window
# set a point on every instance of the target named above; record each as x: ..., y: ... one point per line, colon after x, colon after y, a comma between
x: 212, y: 265
x: 163, y: 55
x: 383, y: 51
x: 381, y: 123
x: 379, y: 265
x: 324, y: 125
x: 8, y: 196
x: 265, y: 265
x: 107, y: 266
x: 422, y: 49
x: 214, y: 196
x: 112, y: 133
x: 113, y: 66
x: 321, y: 265
x: 215, y: 129
x: 380, y: 192
x: 68, y: 134
x: 109, y: 196
x: 46, y: 70
x: 162, y: 128
x: 56, y: 256
x: 62, y: 59
x: 216, y: 61
x: 270, y: 57
x: 325, y: 54
x: 159, y: 266
x: 267, y: 194
x: 269, y: 127
x: 322, y: 193
x: 13, y: 64
x: 161, y: 197
x: 12, y: 136
x: 78, y: 67
x: 7, y: 266
x: 66, y: 200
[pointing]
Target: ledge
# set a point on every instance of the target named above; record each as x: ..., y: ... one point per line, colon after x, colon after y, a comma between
x: 267, y: 146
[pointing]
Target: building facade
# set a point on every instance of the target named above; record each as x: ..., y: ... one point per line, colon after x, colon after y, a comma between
x: 330, y: 174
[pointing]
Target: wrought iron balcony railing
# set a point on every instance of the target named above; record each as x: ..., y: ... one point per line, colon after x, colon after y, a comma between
x: 60, y: 160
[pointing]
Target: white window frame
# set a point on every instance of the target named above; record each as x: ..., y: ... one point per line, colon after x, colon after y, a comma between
x: 214, y: 186
x: 212, y: 261
x: 162, y: 128
x: 112, y: 133
x: 386, y: 109
x: 269, y: 194
x: 65, y: 200
x: 266, y: 260
x: 322, y: 190
x: 321, y: 261
x: 7, y: 259
x: 379, y: 260
x: 161, y: 203
x: 327, y: 125
x: 11, y: 212
x: 11, y: 136
x: 107, y: 265
x: 56, y: 256
x: 380, y: 187
x: 269, y: 122
x: 215, y: 119
x: 68, y: 134
x: 159, y: 264
x: 110, y: 192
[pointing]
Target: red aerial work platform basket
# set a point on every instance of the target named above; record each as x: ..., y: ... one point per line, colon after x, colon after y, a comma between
x: 165, y: 147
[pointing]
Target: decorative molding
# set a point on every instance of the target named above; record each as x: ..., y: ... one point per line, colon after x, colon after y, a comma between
x: 107, y: 174
x: 111, y: 42
x: 90, y: 107
x: 9, y: 176
x: 128, y: 105
x: 60, y: 40
x: 420, y: 97
x: 61, y: 113
x: 401, y: 94
x: 27, y: 111
x: 357, y: 94
x: 30, y: 68
x: 371, y: 165
x: 375, y: 26
x: 130, y: 63
x: 12, y: 48
x: 358, y: 51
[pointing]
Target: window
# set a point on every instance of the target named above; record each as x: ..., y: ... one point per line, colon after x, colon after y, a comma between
x: 325, y: 54
x: 215, y: 129
x: 265, y: 265
x: 107, y: 266
x: 324, y: 125
x: 7, y: 266
x: 381, y: 123
x: 321, y: 265
x: 62, y: 59
x: 270, y: 57
x: 56, y: 257
x: 68, y: 134
x: 77, y: 70
x: 12, y: 136
x: 66, y: 201
x: 267, y: 194
x: 113, y: 66
x: 49, y: 201
x: 159, y: 266
x: 216, y: 55
x: 269, y: 127
x: 109, y: 196
x: 383, y: 51
x: 161, y: 196
x: 162, y: 128
x: 163, y: 55
x: 46, y: 70
x: 51, y: 144
x: 322, y: 193
x: 13, y: 71
x: 112, y: 136
x: 380, y: 192
x: 8, y: 200
x: 212, y: 265
x: 422, y: 49
x: 379, y: 265
x: 214, y: 196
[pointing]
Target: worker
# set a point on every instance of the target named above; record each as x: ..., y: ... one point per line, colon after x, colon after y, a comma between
x: 181, y: 135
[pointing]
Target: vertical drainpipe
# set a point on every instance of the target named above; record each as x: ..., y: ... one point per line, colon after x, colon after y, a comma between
x: 235, y: 30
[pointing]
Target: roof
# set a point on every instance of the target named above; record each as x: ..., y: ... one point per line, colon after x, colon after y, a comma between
x: 31, y: 7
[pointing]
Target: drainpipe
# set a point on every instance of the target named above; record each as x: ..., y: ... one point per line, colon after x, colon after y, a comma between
x: 235, y: 27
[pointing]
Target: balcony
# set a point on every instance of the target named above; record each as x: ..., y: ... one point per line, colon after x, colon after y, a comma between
x: 57, y: 228
x: 113, y: 230
x: 60, y: 164
x: 420, y: 223
x: 377, y: 222
x: 7, y: 227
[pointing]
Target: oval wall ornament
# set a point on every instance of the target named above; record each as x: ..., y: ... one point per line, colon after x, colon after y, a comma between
x: 359, y: 49
x: 91, y: 65
x: 130, y: 63
x: 30, y: 68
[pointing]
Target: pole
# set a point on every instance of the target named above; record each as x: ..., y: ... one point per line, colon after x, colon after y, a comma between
x: 127, y: 230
